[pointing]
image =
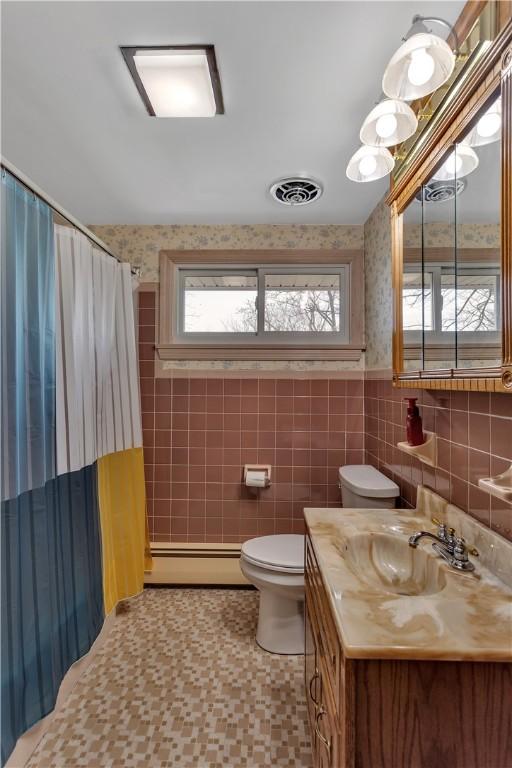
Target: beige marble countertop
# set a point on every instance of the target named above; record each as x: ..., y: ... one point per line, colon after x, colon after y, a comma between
x: 452, y: 616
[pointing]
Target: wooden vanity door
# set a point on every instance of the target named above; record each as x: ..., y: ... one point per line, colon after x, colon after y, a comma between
x: 311, y: 680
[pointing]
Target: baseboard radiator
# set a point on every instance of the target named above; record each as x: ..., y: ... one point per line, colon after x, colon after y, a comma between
x: 195, y: 564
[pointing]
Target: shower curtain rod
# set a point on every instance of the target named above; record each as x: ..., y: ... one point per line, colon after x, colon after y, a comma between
x: 29, y: 184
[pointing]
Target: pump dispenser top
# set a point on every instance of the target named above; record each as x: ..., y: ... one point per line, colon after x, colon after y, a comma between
x: 414, y: 425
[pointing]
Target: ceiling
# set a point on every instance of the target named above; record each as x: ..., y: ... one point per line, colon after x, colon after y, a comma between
x: 298, y: 79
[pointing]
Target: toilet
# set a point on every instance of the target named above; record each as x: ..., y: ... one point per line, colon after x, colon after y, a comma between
x: 275, y: 565
x: 363, y: 486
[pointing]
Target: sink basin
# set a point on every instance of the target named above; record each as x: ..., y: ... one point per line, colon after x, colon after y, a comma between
x: 389, y: 563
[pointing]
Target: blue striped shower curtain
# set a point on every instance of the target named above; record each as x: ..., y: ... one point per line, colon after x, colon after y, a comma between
x: 51, y: 580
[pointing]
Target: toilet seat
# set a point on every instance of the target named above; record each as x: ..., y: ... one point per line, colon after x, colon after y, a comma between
x: 282, y: 552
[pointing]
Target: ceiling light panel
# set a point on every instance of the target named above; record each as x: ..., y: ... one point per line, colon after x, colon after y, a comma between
x: 179, y: 81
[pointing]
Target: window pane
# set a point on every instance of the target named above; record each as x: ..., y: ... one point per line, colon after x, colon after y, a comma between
x: 473, y: 302
x: 417, y: 301
x: 224, y: 303
x: 302, y: 303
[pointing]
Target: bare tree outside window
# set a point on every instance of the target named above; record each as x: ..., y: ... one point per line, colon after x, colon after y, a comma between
x: 296, y: 303
x: 471, y: 305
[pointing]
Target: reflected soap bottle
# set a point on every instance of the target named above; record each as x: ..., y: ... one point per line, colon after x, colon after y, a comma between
x: 414, y: 425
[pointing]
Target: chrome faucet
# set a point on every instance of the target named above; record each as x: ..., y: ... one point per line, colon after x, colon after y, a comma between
x: 451, y: 548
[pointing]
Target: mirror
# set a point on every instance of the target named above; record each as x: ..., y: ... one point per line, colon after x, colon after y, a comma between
x: 451, y: 315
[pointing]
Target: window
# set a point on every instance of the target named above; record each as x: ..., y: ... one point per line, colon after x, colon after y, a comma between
x: 417, y: 301
x: 246, y: 304
x: 263, y: 304
x: 443, y: 302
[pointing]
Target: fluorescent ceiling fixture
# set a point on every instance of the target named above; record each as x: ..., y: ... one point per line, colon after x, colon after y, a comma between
x: 460, y: 162
x: 176, y: 81
x: 488, y: 127
x: 420, y: 66
x: 389, y: 123
x: 370, y: 164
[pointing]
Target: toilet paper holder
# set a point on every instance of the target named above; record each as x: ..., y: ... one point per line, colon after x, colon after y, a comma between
x: 266, y: 468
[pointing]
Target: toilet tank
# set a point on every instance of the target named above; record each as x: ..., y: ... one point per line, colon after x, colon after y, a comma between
x: 362, y: 486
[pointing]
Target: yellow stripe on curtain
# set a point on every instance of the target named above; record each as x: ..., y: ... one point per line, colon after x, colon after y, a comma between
x: 124, y: 529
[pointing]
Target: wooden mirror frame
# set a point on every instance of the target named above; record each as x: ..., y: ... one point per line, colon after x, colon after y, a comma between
x: 491, y: 75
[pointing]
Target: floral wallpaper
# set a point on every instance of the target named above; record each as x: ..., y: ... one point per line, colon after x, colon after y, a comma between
x: 378, y: 288
x: 440, y: 234
x: 291, y: 366
x: 140, y: 245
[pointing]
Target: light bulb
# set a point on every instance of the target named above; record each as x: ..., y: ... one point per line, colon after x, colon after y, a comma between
x: 367, y: 165
x: 488, y: 125
x: 421, y: 67
x: 386, y: 126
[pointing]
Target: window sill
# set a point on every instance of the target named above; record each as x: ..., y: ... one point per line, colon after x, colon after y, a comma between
x: 267, y: 352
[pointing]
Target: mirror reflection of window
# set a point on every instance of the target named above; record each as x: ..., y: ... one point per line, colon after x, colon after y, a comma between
x: 451, y: 274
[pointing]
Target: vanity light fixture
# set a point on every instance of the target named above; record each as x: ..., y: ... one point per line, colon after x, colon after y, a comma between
x: 421, y: 65
x: 487, y: 129
x: 176, y: 80
x: 370, y: 164
x: 461, y: 162
x: 388, y: 124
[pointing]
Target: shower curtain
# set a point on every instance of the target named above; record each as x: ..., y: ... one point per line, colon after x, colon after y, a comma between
x: 73, y: 515
x: 51, y: 585
x: 98, y: 404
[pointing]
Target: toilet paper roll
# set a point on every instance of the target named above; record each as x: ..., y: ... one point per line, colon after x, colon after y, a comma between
x: 255, y: 479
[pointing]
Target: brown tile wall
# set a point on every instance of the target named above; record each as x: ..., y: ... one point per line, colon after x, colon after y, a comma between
x: 475, y: 440
x: 199, y: 432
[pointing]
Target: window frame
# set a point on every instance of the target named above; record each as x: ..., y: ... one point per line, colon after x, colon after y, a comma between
x: 262, y: 336
x: 439, y: 337
x: 170, y: 346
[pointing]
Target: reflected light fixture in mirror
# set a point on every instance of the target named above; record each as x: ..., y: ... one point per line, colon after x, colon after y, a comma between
x: 370, y: 164
x: 389, y: 123
x: 487, y: 129
x: 460, y: 162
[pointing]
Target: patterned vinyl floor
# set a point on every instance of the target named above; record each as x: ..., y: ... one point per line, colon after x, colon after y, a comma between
x: 181, y: 682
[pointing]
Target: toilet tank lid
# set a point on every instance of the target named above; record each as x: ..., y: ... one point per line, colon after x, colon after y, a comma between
x: 283, y: 550
x: 368, y: 481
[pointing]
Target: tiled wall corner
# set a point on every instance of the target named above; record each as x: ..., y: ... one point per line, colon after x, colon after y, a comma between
x: 475, y: 441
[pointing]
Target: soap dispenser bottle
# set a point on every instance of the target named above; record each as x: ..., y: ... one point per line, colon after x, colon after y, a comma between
x: 414, y: 426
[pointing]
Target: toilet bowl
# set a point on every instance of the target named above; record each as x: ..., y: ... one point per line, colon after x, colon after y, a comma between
x: 275, y: 566
x: 364, y: 487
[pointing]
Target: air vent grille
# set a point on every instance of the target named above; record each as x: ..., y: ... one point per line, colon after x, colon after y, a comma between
x: 296, y: 191
x: 441, y: 191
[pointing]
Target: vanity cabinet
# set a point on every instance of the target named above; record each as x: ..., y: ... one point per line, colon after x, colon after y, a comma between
x: 386, y: 713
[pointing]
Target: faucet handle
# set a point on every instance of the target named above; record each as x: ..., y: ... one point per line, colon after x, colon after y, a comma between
x: 448, y: 534
x: 461, y: 548
x: 441, y: 529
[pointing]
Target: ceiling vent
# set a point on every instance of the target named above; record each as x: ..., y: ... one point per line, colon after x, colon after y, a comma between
x: 296, y: 190
x: 441, y: 191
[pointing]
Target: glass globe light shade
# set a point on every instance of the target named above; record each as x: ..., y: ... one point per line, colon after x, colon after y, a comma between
x: 389, y: 123
x: 420, y: 66
x: 460, y: 162
x: 488, y: 127
x: 370, y: 164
